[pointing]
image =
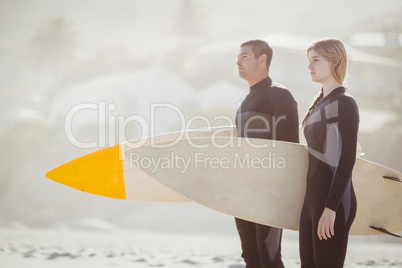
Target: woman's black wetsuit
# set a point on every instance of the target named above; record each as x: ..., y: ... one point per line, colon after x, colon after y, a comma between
x: 331, y: 134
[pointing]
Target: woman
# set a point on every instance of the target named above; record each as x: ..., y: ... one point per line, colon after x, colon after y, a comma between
x: 330, y: 127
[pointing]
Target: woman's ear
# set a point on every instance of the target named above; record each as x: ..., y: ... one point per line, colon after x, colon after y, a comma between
x: 336, y: 62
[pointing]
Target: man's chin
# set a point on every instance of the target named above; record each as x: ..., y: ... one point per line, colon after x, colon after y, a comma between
x: 242, y: 75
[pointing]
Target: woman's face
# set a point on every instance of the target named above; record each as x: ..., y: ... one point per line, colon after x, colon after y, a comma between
x: 320, y: 68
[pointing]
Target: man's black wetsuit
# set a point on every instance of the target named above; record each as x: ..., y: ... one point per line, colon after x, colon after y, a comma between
x: 331, y: 134
x: 269, y: 111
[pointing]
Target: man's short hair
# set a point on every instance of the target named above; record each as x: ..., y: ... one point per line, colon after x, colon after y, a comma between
x: 260, y: 47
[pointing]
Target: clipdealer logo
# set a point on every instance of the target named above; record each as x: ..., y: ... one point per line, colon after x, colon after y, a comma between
x: 200, y: 160
x: 197, y: 160
x: 118, y: 123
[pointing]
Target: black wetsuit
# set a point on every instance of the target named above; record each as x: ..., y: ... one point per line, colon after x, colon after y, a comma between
x: 331, y: 134
x: 268, y: 112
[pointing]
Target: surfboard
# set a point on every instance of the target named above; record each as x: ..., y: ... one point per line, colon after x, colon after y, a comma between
x: 127, y: 171
x: 264, y: 181
x: 107, y: 173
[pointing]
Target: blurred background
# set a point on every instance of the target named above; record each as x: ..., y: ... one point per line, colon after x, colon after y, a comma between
x: 130, y: 54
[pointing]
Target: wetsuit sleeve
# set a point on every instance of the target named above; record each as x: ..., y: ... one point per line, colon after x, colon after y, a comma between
x: 348, y: 124
x: 285, y: 117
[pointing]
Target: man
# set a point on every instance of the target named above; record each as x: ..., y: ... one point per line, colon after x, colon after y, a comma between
x: 269, y: 111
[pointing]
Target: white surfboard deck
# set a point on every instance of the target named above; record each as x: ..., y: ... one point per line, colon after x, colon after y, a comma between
x: 142, y: 187
x: 267, y: 185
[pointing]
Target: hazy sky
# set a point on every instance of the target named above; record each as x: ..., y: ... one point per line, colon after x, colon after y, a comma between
x: 146, y: 25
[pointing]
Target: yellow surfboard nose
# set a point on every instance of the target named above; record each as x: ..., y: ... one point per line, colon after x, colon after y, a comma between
x: 99, y: 173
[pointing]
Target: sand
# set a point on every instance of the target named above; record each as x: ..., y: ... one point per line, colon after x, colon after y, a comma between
x: 55, y: 247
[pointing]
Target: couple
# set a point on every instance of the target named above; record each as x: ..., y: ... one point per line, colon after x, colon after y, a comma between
x: 330, y: 127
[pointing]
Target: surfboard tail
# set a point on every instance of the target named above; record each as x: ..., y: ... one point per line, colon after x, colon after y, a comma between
x: 99, y: 173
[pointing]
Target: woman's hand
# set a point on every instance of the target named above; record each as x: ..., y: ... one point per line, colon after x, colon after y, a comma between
x: 326, y: 224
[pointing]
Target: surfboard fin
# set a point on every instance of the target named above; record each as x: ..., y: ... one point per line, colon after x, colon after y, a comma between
x: 382, y: 230
x: 392, y: 178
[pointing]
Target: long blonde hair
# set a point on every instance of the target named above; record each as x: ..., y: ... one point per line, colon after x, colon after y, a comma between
x: 334, y: 51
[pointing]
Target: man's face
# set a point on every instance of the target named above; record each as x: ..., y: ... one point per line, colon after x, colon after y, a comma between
x: 247, y: 63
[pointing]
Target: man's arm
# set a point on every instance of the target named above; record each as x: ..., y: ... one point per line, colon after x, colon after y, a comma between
x: 285, y: 118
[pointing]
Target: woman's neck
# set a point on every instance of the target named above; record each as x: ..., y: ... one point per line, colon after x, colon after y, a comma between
x: 329, y: 86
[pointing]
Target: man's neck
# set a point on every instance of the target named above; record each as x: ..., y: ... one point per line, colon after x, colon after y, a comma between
x: 257, y: 79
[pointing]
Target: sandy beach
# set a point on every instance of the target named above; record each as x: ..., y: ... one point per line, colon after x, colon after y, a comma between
x: 58, y: 247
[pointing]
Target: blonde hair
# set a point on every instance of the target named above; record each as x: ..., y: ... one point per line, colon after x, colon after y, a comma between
x: 334, y: 51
